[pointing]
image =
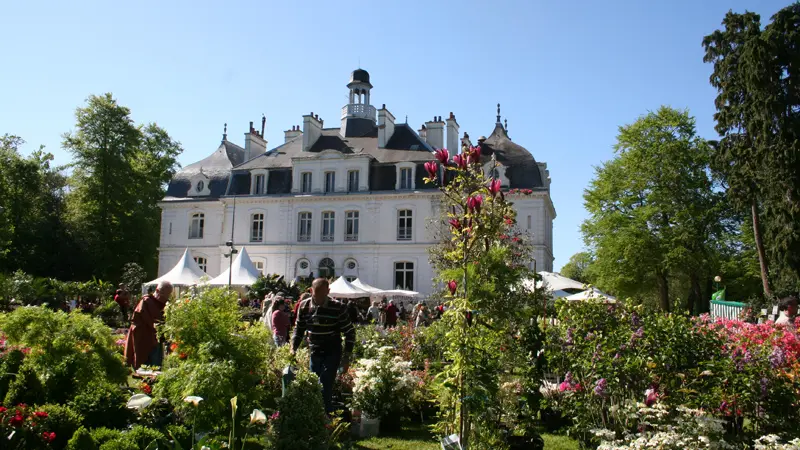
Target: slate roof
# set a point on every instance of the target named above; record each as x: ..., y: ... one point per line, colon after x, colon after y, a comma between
x: 522, y: 170
x: 217, y: 167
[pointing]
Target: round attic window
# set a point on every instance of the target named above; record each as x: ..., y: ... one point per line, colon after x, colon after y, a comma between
x: 351, y: 265
x: 200, y: 186
x: 304, y: 265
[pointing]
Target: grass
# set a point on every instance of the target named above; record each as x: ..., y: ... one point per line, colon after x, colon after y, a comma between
x: 417, y: 437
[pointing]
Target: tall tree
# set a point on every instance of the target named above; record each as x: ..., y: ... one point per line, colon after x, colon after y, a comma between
x: 758, y: 106
x: 653, y: 209
x: 578, y: 267
x: 120, y: 171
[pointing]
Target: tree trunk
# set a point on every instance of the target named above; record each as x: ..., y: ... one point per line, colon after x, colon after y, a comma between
x: 695, y: 294
x: 762, y: 257
x: 663, y: 291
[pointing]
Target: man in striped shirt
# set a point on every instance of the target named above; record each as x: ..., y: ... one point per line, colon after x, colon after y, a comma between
x: 325, y: 320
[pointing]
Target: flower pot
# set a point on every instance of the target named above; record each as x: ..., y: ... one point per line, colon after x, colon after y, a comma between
x: 369, y: 427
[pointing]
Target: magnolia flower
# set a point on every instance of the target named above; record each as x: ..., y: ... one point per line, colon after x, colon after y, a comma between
x: 257, y: 417
x: 494, y: 187
x: 455, y: 223
x: 432, y: 168
x: 442, y: 155
x: 475, y: 154
x: 139, y: 402
x: 460, y: 161
x: 474, y: 203
x: 193, y: 399
x: 452, y: 285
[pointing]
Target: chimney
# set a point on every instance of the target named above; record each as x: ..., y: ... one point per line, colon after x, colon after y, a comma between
x: 385, y: 126
x: 293, y: 133
x: 423, y: 133
x: 452, y: 135
x: 264, y: 123
x: 312, y: 130
x: 435, y: 133
x: 465, y: 140
x: 254, y: 144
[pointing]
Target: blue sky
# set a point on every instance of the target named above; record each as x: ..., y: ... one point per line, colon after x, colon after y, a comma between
x: 567, y: 73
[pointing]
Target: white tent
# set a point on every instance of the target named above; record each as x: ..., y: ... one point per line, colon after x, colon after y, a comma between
x: 560, y: 285
x: 365, y: 287
x: 185, y: 273
x: 342, y: 288
x: 243, y: 270
x: 401, y: 293
x: 592, y: 293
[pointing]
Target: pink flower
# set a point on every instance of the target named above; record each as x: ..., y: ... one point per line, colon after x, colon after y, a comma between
x: 460, y: 161
x: 456, y: 224
x: 475, y: 154
x: 564, y: 386
x: 49, y: 437
x: 650, y: 397
x: 432, y: 168
x: 474, y: 203
x: 442, y: 156
x: 494, y: 187
x: 452, y: 285
x: 275, y: 415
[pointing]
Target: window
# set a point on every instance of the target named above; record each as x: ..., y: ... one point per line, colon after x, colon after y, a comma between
x: 200, y: 186
x: 404, y: 225
x: 196, y: 226
x: 330, y: 181
x: 304, y: 227
x: 405, y: 178
x: 259, y: 265
x: 305, y: 180
x: 351, y: 226
x: 352, y: 181
x: 259, y: 184
x: 328, y: 218
x: 257, y: 227
x: 404, y: 275
x: 326, y: 268
x: 202, y: 263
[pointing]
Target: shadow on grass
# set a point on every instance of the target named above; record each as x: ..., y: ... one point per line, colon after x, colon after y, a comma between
x: 411, y: 436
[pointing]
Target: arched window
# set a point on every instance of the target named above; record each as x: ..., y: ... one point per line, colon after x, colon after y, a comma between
x: 196, y: 226
x: 303, y: 268
x: 326, y: 268
x: 350, y: 271
x: 202, y: 263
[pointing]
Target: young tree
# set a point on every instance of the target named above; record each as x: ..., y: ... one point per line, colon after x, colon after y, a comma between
x: 654, y: 209
x: 758, y: 156
x: 578, y: 267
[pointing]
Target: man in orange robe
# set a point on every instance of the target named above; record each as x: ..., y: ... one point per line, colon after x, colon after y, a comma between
x: 141, y: 346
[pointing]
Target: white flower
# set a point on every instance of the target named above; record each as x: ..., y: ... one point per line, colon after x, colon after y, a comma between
x: 257, y: 417
x: 193, y: 399
x: 139, y: 402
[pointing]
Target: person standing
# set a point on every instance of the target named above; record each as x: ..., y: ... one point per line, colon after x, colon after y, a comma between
x: 280, y: 322
x: 374, y: 313
x: 788, y: 308
x: 326, y: 321
x: 123, y: 298
x: 391, y: 314
x: 141, y: 345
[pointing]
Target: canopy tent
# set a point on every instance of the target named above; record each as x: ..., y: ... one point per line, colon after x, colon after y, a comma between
x: 560, y: 285
x: 592, y: 293
x: 185, y: 273
x: 401, y: 293
x: 365, y: 287
x: 243, y: 270
x: 342, y: 288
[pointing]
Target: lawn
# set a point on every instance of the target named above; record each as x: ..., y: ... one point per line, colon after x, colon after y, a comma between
x: 417, y: 437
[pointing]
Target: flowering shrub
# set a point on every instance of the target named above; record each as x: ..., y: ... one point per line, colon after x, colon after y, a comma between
x: 23, y: 427
x: 300, y: 422
x: 383, y: 386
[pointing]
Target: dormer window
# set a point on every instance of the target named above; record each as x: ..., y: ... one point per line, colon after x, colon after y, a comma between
x: 200, y: 186
x: 405, y: 176
x: 258, y: 182
x: 305, y: 182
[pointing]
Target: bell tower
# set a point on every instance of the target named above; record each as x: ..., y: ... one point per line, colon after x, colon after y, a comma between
x: 359, y: 116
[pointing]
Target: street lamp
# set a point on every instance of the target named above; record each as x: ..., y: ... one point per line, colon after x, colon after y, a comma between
x: 232, y: 250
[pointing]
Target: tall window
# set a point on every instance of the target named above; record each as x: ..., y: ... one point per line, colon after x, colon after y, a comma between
x: 351, y: 226
x: 304, y: 226
x: 257, y: 227
x: 405, y: 178
x: 404, y: 275
x: 328, y: 218
x: 352, y: 181
x: 202, y: 263
x: 196, y: 226
x: 330, y: 181
x: 404, y: 225
x: 305, y: 182
x: 259, y: 184
x: 326, y: 268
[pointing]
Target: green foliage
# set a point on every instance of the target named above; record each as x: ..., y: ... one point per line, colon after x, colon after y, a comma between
x: 110, y: 313
x: 655, y: 212
x: 103, y: 435
x: 755, y: 74
x: 67, y: 351
x: 102, y: 405
x: 63, y: 421
x: 272, y: 283
x: 300, y: 424
x: 82, y: 440
x: 119, y: 174
x: 10, y: 363
x: 133, y: 275
x: 216, y: 358
x: 25, y: 387
x: 579, y: 268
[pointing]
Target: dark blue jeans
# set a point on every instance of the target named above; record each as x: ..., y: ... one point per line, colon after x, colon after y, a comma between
x: 325, y: 363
